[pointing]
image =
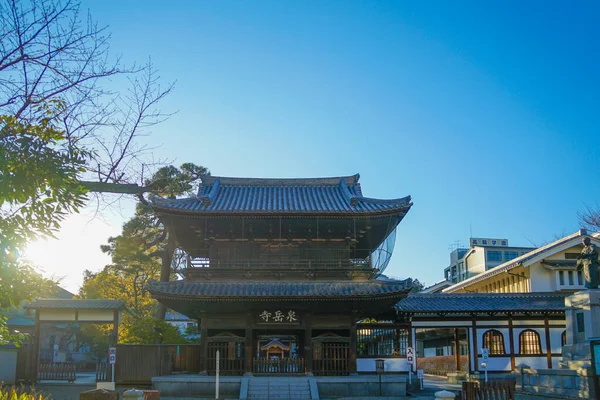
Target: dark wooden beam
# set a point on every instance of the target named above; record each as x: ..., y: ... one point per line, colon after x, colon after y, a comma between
x: 475, y: 347
x: 203, y: 343
x: 457, y: 348
x: 353, y: 344
x: 548, y: 344
x: 248, y: 355
x: 308, y: 352
x: 511, y: 343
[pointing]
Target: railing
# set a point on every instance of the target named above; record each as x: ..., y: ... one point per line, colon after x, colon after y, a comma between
x: 56, y: 372
x: 226, y: 366
x: 277, y: 262
x: 278, y: 366
x: 103, y: 372
x: 501, y: 389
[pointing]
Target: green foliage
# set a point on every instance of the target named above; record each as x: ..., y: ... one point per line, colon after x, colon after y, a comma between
x: 137, y: 256
x: 152, y: 330
x: 38, y: 179
x: 38, y: 188
x: 14, y: 393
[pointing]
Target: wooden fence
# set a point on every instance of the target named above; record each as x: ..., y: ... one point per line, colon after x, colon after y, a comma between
x: 138, y: 363
x: 501, y: 389
x: 103, y: 372
x: 186, y: 358
x: 56, y: 372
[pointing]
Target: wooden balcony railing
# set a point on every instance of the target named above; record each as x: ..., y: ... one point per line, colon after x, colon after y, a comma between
x: 278, y: 366
x: 277, y: 262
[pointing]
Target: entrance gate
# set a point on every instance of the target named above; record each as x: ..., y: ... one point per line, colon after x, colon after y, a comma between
x: 331, y: 358
x: 231, y: 355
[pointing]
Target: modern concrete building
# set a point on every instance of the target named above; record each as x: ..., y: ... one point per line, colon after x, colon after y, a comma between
x: 550, y: 268
x: 482, y: 255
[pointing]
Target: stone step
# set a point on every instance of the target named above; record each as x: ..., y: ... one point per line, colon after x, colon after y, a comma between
x: 278, y: 389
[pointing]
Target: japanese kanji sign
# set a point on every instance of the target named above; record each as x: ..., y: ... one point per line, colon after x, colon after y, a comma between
x: 410, y: 356
x: 280, y: 316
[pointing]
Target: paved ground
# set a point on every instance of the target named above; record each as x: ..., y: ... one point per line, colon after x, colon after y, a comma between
x: 432, y: 384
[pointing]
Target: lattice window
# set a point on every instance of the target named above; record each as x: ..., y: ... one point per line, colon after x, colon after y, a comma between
x: 529, y: 342
x: 374, y: 341
x: 493, y: 340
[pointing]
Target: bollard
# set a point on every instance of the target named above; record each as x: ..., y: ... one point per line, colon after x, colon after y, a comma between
x: 133, y: 394
x: 99, y: 394
x: 151, y: 394
x: 444, y: 394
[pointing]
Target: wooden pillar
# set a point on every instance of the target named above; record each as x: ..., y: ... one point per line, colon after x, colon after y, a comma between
x: 248, y: 355
x: 511, y: 342
x: 457, y: 348
x: 308, y: 352
x: 548, y: 344
x: 475, y: 346
x: 203, y: 342
x: 353, y: 346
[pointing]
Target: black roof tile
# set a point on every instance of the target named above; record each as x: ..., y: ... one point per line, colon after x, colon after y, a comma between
x: 76, y: 304
x: 481, y: 302
x: 225, y: 290
x: 293, y: 196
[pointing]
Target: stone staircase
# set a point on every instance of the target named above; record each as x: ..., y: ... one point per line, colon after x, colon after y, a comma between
x: 278, y: 387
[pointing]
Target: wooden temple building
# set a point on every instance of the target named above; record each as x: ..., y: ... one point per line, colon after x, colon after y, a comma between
x: 282, y: 274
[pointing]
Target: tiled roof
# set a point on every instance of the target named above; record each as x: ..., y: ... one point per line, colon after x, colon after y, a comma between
x: 481, y: 302
x: 560, y: 263
x: 525, y: 259
x: 293, y: 196
x: 257, y: 290
x: 76, y: 304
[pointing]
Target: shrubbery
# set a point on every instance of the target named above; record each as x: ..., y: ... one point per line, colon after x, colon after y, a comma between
x: 13, y: 393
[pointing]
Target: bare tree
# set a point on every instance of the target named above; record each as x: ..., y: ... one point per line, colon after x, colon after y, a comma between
x: 590, y: 218
x: 50, y: 50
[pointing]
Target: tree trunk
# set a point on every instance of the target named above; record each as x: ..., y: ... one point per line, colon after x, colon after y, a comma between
x: 106, y: 187
x: 165, y: 270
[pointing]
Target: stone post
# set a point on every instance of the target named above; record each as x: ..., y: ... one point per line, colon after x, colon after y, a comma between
x: 582, y: 312
x: 444, y: 394
x: 133, y: 394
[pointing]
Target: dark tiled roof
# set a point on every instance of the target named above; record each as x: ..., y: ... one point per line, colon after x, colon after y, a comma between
x: 560, y: 263
x: 257, y: 290
x: 77, y: 304
x: 481, y: 302
x: 293, y: 196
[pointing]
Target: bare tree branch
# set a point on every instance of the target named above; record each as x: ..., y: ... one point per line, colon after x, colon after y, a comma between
x: 49, y: 51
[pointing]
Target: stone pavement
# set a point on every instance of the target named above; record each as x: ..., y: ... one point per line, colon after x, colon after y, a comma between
x: 432, y: 384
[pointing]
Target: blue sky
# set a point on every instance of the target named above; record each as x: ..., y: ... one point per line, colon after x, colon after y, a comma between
x: 486, y: 113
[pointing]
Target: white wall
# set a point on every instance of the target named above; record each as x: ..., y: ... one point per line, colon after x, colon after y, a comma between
x: 391, y: 364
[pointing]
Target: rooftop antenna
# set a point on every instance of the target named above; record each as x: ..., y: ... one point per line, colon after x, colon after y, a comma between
x: 470, y: 230
x: 454, y: 245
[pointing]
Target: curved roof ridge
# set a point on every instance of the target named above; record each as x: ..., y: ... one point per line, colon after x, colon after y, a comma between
x: 406, y: 200
x: 327, y: 181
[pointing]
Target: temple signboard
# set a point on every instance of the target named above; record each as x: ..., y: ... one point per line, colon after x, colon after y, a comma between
x: 277, y: 316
